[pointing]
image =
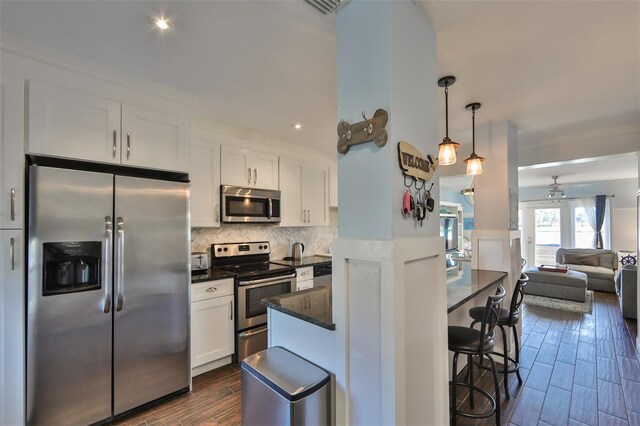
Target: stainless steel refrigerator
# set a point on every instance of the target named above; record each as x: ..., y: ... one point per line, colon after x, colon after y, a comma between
x: 107, y: 294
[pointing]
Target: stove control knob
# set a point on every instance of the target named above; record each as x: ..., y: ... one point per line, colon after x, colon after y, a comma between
x: 259, y: 247
x: 226, y: 249
x: 219, y: 249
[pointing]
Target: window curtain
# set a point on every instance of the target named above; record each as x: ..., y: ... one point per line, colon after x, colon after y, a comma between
x: 601, y: 203
x: 595, y: 209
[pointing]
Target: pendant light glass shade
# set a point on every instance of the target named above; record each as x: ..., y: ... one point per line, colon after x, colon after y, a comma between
x: 474, y: 162
x: 447, y: 148
x: 447, y: 152
x: 474, y: 165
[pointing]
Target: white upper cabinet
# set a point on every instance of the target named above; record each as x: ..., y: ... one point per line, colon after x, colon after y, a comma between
x: 64, y: 123
x: 333, y: 186
x: 305, y: 194
x: 291, y: 211
x: 11, y: 152
x: 243, y: 167
x: 204, y: 173
x: 154, y: 140
x: 68, y: 124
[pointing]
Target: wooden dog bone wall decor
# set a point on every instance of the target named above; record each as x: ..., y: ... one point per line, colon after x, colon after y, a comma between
x: 364, y: 131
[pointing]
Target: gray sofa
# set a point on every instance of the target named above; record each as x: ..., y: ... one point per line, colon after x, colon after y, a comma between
x: 601, y: 275
x: 627, y: 287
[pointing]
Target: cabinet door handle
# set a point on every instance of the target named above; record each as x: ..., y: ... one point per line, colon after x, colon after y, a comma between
x: 211, y: 289
x: 114, y: 144
x: 231, y: 306
x: 255, y: 176
x: 128, y: 145
x: 217, y: 212
x: 13, y: 204
x: 309, y: 221
x: 249, y: 178
x: 12, y: 252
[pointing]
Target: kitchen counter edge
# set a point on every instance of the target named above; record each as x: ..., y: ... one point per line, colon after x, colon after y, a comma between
x: 276, y: 304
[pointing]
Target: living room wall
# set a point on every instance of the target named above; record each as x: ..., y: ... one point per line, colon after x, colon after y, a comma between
x: 624, y: 214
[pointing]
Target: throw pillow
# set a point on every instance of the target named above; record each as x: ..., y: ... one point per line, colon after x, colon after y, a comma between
x: 627, y: 258
x: 580, y: 259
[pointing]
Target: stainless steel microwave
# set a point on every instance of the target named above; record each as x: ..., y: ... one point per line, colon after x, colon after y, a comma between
x: 249, y: 205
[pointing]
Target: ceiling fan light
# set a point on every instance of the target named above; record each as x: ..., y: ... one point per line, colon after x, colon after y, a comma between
x: 447, y: 152
x: 474, y: 164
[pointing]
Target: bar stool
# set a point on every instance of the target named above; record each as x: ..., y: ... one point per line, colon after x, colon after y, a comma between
x: 506, y: 318
x: 469, y: 341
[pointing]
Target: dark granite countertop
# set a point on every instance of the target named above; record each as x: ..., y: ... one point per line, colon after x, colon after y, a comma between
x: 312, y: 305
x: 470, y: 284
x: 210, y: 274
x: 305, y: 261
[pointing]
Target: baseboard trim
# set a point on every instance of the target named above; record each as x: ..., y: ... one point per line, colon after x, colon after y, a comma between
x: 195, y: 371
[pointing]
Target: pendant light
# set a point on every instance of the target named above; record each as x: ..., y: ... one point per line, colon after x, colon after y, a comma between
x: 447, y: 148
x: 474, y: 162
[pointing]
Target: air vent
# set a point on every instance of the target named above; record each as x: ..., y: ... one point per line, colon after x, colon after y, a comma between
x: 326, y: 6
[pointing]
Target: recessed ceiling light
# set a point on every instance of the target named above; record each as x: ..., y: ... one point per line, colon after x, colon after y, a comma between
x: 297, y: 126
x: 162, y: 23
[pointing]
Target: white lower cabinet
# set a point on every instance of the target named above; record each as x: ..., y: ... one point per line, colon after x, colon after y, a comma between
x: 12, y: 331
x: 304, y: 278
x: 212, y: 327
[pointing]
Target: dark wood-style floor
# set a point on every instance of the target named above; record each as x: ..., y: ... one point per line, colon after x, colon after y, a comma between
x: 214, y: 400
x: 579, y: 369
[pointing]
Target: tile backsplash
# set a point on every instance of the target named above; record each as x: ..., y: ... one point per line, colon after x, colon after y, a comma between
x: 316, y: 239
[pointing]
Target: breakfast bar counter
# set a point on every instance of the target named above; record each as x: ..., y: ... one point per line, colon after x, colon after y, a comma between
x: 470, y: 284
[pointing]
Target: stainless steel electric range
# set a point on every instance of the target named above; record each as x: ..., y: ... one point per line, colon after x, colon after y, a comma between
x: 256, y: 278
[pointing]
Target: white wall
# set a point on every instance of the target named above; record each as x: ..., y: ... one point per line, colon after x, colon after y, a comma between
x: 624, y: 211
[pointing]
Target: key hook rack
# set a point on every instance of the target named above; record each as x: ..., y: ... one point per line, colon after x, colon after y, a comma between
x: 369, y: 130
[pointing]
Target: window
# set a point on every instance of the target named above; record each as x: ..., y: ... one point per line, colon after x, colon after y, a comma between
x: 582, y: 231
x: 547, y: 235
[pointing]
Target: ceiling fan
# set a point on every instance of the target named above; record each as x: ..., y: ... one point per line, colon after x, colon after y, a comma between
x: 555, y: 187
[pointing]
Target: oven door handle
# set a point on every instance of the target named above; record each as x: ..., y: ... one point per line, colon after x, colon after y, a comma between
x: 267, y: 280
x: 252, y: 332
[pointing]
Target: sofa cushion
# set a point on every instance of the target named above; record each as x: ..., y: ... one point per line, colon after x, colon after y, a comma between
x: 606, y: 259
x: 580, y: 259
x: 594, y: 271
x: 628, y: 258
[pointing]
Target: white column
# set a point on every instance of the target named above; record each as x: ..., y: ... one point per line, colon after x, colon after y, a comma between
x: 389, y: 291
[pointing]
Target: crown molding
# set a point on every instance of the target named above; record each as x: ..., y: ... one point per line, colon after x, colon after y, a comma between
x: 287, y: 149
x: 37, y: 52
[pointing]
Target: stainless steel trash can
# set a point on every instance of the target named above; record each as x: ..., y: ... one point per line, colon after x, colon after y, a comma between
x: 280, y: 388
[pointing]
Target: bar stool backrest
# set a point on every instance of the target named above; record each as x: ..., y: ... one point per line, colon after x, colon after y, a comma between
x: 518, y: 295
x: 490, y: 317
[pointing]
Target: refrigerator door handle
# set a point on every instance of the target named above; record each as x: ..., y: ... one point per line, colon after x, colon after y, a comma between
x: 106, y: 263
x: 120, y: 264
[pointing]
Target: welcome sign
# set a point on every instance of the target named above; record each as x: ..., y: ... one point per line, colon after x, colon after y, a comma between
x: 414, y: 164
